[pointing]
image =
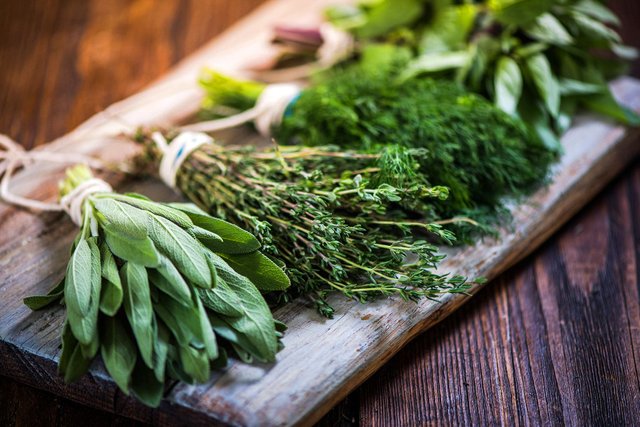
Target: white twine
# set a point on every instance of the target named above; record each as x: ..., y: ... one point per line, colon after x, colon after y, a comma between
x: 336, y: 45
x: 73, y: 202
x: 266, y: 114
x: 14, y: 157
x: 174, y: 154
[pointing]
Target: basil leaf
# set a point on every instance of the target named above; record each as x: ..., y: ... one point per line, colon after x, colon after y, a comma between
x: 434, y: 62
x: 145, y: 386
x: 38, y: 302
x: 260, y: 270
x: 137, y: 306
x: 597, y: 11
x: 82, y: 291
x: 182, y: 249
x: 72, y: 364
x: 256, y: 322
x: 508, y: 85
x: 167, y: 278
x: 384, y: 16
x: 548, y: 29
x: 545, y: 82
x: 111, y: 294
x: 577, y: 87
x: 519, y: 12
x: 163, y: 210
x: 235, y: 240
x: 140, y: 251
x: 118, y: 352
x: 595, y: 29
x: 122, y: 217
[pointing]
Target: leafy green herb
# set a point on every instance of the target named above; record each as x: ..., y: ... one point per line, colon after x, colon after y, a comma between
x: 135, y: 287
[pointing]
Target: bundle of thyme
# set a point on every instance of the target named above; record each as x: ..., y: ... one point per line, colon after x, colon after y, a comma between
x: 155, y: 289
x: 324, y: 214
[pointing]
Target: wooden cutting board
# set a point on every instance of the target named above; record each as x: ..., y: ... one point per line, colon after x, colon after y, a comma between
x: 324, y: 359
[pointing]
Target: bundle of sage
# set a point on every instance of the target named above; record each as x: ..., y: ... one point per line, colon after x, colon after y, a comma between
x: 160, y: 290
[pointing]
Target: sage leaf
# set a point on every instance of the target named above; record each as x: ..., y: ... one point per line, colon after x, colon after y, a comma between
x: 204, y: 235
x: 221, y: 299
x: 508, y: 85
x: 195, y: 363
x: 161, y: 350
x: 140, y: 251
x: 208, y: 336
x: 118, y: 352
x: 165, y: 211
x: 183, y: 322
x: 167, y: 278
x: 82, y: 291
x: 182, y: 249
x: 122, y: 217
x: 258, y: 268
x: 38, y: 302
x: 235, y: 240
x: 256, y: 322
x: 111, y: 294
x: 545, y: 82
x: 72, y: 364
x: 145, y: 386
x: 137, y: 306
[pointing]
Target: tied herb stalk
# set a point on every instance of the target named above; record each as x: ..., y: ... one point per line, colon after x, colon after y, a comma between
x: 452, y: 137
x: 322, y: 212
x: 157, y: 289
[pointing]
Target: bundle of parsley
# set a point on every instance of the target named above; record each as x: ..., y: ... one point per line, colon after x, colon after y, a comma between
x: 158, y: 289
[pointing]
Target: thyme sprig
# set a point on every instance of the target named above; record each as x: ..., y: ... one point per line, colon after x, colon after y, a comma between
x: 321, y: 212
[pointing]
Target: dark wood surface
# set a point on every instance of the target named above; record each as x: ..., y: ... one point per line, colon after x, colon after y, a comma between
x: 556, y: 340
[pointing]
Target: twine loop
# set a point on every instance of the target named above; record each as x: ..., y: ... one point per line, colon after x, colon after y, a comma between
x: 336, y: 45
x: 174, y: 154
x: 13, y: 157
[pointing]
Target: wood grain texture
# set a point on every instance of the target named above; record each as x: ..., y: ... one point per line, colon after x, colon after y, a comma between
x: 490, y: 403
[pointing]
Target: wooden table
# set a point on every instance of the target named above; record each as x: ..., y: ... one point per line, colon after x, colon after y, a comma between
x: 556, y: 340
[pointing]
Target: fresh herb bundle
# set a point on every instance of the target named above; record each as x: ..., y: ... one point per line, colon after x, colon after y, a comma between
x: 539, y: 60
x: 325, y: 215
x: 451, y: 137
x: 160, y: 290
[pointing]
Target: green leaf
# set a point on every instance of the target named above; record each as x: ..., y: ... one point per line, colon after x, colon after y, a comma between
x: 118, y: 352
x: 204, y: 236
x: 137, y: 306
x: 167, y: 278
x: 183, y: 322
x: 160, y: 209
x: 384, y: 16
x: 607, y: 105
x: 449, y: 29
x: 145, y: 386
x: 260, y: 270
x: 208, y: 336
x: 140, y: 251
x: 195, y: 363
x: 591, y: 28
x: 508, y: 85
x: 518, y: 12
x: 548, y: 29
x: 545, y: 82
x: 160, y: 350
x: 577, y: 87
x: 72, y: 363
x: 38, y: 302
x: 82, y: 291
x: 434, y: 62
x: 111, y: 294
x: 235, y: 240
x: 596, y: 10
x: 256, y: 322
x: 186, y: 253
x: 221, y: 299
x: 122, y: 217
